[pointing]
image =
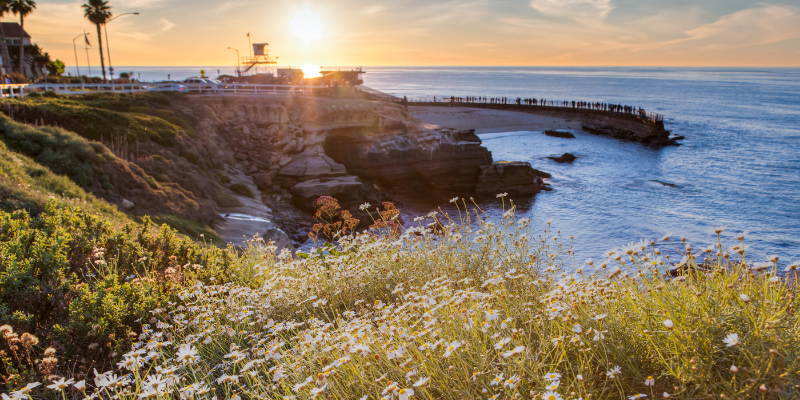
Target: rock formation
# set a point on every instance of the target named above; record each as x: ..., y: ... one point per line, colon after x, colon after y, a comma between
x: 513, y: 178
x: 565, y: 158
x: 305, y: 147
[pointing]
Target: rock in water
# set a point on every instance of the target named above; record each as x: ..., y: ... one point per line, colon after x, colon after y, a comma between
x: 513, y: 177
x: 541, y: 173
x: 127, y: 204
x: 565, y: 158
x: 565, y: 135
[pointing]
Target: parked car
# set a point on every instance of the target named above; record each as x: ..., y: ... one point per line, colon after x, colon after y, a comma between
x: 168, y: 88
x: 195, y: 81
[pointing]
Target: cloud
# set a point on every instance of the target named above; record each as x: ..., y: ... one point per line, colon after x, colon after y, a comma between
x: 145, y: 3
x: 754, y: 26
x: 167, y: 25
x: 578, y: 10
x: 460, y: 11
x: 377, y: 8
x: 228, y: 5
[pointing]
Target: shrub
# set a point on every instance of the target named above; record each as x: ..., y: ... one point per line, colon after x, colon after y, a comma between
x: 222, y: 177
x: 73, y: 279
x: 482, y: 308
x: 63, y: 152
x: 192, y: 158
x: 241, y: 189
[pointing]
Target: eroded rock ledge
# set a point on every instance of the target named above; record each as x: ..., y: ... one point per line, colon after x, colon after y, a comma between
x: 353, y: 150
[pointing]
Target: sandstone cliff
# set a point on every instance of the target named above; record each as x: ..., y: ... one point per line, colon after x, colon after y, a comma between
x: 326, y: 143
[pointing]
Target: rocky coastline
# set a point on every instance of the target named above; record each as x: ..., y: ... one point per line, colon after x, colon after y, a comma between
x: 296, y: 149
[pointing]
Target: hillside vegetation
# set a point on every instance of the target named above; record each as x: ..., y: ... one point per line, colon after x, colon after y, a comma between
x: 142, y: 148
x: 480, y: 309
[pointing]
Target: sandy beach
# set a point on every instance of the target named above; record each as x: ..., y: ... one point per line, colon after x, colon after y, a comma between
x: 488, y: 121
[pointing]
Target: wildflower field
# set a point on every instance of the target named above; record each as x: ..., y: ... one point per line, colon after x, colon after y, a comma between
x: 461, y: 307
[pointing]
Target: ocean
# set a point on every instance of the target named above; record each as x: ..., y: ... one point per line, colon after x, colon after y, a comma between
x: 739, y: 165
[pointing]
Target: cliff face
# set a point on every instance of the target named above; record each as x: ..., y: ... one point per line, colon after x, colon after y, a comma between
x: 285, y: 141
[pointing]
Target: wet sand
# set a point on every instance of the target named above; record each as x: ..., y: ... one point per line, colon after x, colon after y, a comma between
x: 488, y: 121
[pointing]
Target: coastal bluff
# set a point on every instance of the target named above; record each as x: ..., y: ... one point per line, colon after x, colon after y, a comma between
x: 298, y: 148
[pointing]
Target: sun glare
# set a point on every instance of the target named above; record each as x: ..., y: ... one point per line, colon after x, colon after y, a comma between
x: 306, y: 25
x: 310, y: 71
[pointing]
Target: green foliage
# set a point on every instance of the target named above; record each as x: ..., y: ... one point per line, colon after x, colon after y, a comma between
x: 192, y: 158
x: 241, y: 189
x: 95, y: 123
x: 26, y: 185
x: 222, y: 177
x: 73, y: 277
x: 192, y: 229
x: 55, y: 67
x: 64, y: 152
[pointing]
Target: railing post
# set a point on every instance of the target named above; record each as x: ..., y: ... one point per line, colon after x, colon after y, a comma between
x: 234, y: 88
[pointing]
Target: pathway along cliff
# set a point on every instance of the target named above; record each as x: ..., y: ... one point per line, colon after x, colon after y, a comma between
x: 627, y: 126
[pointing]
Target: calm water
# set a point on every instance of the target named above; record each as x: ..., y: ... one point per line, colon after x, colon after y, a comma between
x: 739, y: 165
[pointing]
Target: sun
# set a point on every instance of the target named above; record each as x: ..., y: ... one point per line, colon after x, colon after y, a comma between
x: 310, y: 71
x: 306, y: 25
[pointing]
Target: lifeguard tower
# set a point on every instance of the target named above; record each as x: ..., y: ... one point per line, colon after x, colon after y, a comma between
x: 261, y: 63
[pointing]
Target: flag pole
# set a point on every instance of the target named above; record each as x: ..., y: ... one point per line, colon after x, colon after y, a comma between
x: 75, y: 47
x: 86, y: 46
x: 250, y: 44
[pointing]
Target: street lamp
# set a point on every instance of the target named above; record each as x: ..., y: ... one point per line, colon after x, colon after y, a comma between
x: 108, y: 47
x: 238, y: 64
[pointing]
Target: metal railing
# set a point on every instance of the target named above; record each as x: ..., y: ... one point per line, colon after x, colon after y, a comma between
x: 19, y: 90
x: 531, y: 104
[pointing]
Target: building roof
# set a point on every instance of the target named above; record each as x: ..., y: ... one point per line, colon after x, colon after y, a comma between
x: 12, y: 30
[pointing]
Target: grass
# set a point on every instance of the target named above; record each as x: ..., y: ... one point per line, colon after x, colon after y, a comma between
x: 27, y: 185
x: 96, y: 169
x: 481, y: 309
x: 192, y: 229
x: 102, y: 117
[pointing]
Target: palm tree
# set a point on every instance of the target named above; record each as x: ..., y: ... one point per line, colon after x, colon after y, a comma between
x: 98, y: 12
x: 23, y: 8
x: 3, y: 45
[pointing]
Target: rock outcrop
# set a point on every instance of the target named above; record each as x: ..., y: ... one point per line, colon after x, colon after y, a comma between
x: 347, y: 190
x: 302, y: 147
x: 564, y: 158
x: 559, y: 134
x: 514, y: 178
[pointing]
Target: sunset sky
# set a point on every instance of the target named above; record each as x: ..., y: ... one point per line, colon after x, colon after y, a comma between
x: 437, y: 32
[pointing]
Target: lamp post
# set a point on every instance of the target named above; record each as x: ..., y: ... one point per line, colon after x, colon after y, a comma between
x: 108, y: 47
x: 238, y: 63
